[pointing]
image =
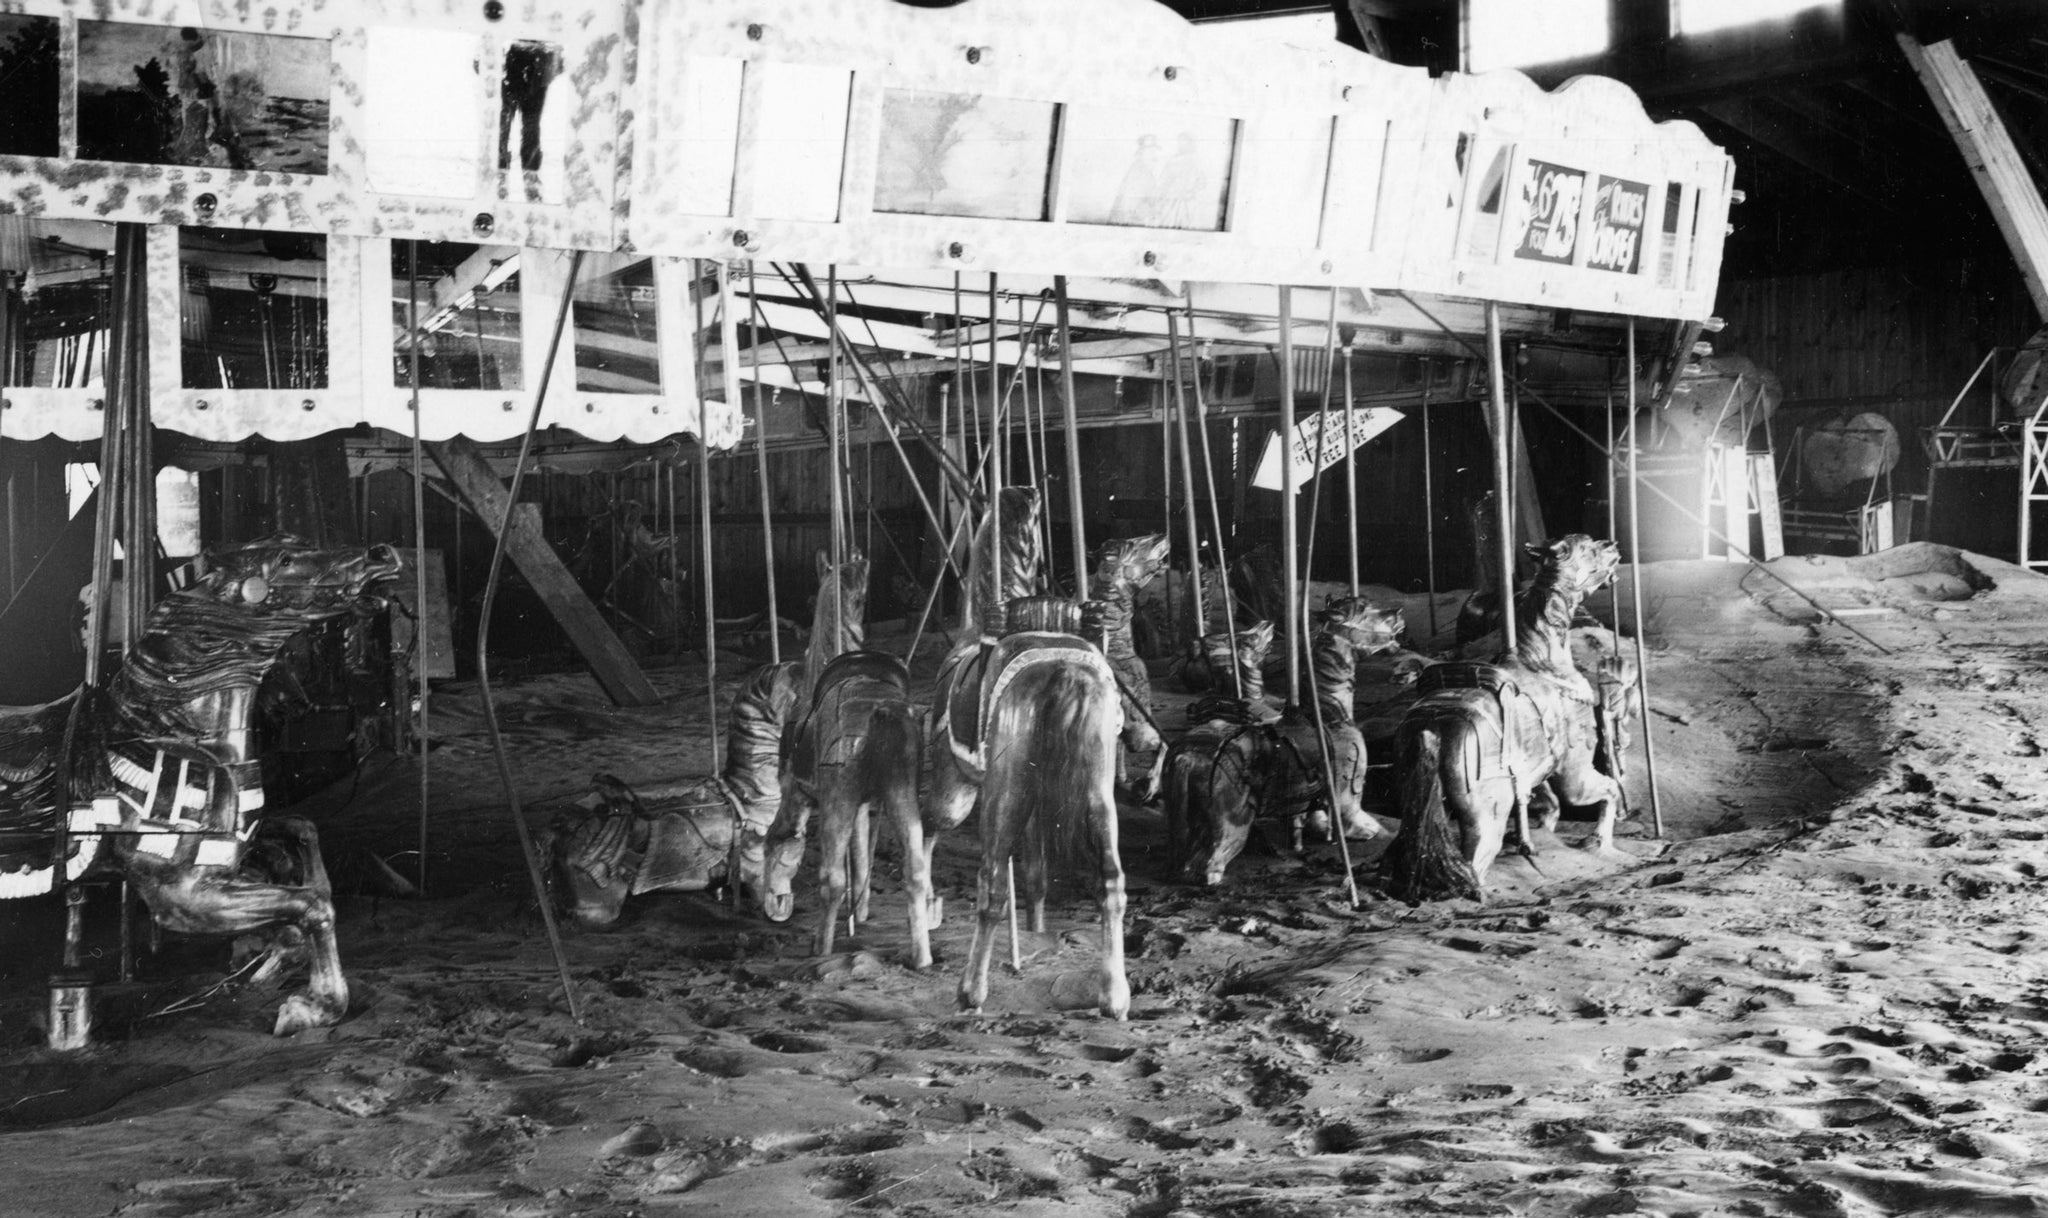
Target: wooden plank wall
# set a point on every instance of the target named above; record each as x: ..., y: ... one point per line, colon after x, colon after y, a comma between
x: 1900, y: 340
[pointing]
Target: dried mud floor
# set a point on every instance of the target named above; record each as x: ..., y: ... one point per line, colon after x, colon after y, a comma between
x: 1819, y: 995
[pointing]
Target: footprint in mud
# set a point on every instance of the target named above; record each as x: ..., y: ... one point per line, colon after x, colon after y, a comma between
x: 777, y: 1041
x: 1336, y: 1138
x: 849, y: 1179
x: 1410, y: 1057
x: 1107, y: 1053
x: 719, y: 1063
x: 1455, y: 1093
x: 1273, y: 1085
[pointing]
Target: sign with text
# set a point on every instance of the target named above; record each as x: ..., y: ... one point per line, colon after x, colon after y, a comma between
x: 1618, y: 209
x: 1319, y: 443
x: 1551, y: 195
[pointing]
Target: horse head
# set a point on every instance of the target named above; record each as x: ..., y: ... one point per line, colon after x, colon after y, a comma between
x: 1361, y: 623
x: 1135, y: 561
x: 1577, y: 563
x: 1020, y: 509
x: 849, y: 585
x: 783, y: 857
x: 283, y: 574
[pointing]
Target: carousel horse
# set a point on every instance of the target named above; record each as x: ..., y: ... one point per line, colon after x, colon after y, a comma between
x: 1127, y: 565
x: 166, y: 759
x: 717, y: 828
x: 1236, y: 767
x: 611, y: 846
x: 1024, y: 727
x: 1482, y: 737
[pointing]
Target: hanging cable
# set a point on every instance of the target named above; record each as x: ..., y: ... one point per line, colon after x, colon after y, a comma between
x: 483, y: 634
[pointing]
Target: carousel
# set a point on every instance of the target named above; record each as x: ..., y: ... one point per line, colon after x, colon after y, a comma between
x: 1086, y: 368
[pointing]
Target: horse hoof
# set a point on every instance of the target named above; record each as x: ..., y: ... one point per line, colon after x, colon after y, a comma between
x: 778, y: 908
x: 937, y: 912
x: 301, y: 1011
x: 1361, y: 827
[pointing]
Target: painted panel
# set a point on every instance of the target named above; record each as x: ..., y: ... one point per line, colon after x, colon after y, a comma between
x: 1148, y: 168
x: 191, y: 95
x: 1546, y: 213
x: 30, y: 66
x: 965, y: 154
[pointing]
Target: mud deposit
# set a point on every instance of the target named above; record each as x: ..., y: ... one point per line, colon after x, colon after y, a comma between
x: 1819, y: 994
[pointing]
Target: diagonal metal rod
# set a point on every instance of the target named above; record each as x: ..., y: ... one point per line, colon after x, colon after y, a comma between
x: 1635, y: 577
x: 483, y: 637
x: 1734, y: 547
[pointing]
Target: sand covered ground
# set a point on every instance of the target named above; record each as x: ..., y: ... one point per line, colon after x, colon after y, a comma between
x: 1821, y: 994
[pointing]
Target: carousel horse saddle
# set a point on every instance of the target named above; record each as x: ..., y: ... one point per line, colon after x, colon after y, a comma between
x: 983, y: 673
x: 803, y: 744
x: 1464, y: 674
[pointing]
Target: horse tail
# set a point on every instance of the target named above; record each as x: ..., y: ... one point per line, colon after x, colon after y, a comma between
x: 1426, y: 861
x: 893, y: 752
x: 1052, y: 759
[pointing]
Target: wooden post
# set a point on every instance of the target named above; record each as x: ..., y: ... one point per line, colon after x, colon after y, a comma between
x: 482, y: 493
x: 1989, y: 151
x: 1504, y: 512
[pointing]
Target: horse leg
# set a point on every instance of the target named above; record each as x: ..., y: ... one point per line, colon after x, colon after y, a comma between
x: 838, y: 824
x: 1033, y: 883
x: 192, y: 901
x: 952, y: 799
x: 863, y: 844
x: 917, y: 878
x: 991, y: 907
x: 1113, y: 988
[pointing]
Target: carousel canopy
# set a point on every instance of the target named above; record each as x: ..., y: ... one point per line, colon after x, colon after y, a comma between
x: 286, y: 159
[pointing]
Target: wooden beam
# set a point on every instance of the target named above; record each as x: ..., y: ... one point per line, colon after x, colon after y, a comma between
x: 1988, y: 150
x: 482, y: 493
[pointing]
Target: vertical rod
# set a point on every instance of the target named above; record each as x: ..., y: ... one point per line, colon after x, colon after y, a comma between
x: 835, y: 409
x: 1613, y: 525
x: 419, y: 544
x: 1635, y: 578
x: 1289, y: 570
x: 1215, y: 516
x: 998, y: 406
x: 1187, y: 480
x: 1503, y: 493
x: 1073, y: 434
x: 1351, y: 471
x: 760, y: 476
x: 1428, y: 499
x: 729, y: 361
x: 1167, y: 405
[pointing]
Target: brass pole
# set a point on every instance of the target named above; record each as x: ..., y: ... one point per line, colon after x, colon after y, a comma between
x: 1073, y: 430
x: 1290, y: 592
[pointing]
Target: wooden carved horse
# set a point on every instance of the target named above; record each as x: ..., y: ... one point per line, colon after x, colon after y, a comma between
x: 854, y: 751
x: 1237, y: 767
x: 1127, y: 565
x: 717, y: 827
x: 1024, y: 728
x: 167, y: 759
x: 1483, y: 737
x: 714, y: 829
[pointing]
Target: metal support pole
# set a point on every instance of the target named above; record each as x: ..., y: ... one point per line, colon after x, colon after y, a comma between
x: 1635, y: 577
x: 1289, y: 561
x: 1351, y: 473
x: 761, y: 478
x: 1179, y: 404
x: 835, y: 407
x: 419, y: 548
x: 1503, y: 490
x: 1428, y: 499
x: 1073, y: 432
x: 1215, y: 519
